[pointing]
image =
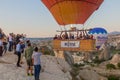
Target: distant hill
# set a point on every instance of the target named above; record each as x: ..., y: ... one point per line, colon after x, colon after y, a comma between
x: 114, y: 33
x: 41, y: 39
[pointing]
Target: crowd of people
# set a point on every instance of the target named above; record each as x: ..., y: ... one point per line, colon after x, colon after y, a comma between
x: 32, y: 56
x: 20, y: 46
x: 74, y: 36
x: 8, y: 43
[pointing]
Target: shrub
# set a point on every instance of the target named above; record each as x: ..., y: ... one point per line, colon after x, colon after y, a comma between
x: 46, y: 53
x: 110, y: 66
x: 113, y: 78
x: 118, y: 65
x: 78, y: 65
x: 97, y: 61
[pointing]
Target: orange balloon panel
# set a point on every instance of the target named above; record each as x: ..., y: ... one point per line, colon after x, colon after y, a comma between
x: 72, y: 11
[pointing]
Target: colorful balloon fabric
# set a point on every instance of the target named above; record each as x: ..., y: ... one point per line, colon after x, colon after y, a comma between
x: 97, y: 31
x: 72, y: 11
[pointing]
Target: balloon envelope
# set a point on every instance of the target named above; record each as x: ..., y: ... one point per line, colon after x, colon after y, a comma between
x: 72, y: 11
x: 100, y: 34
x: 97, y: 31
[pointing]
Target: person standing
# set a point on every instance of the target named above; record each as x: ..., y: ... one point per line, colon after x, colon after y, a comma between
x: 10, y: 39
x: 37, y: 63
x: 4, y: 45
x: 1, y: 47
x: 28, y: 57
x: 18, y: 51
x: 22, y: 50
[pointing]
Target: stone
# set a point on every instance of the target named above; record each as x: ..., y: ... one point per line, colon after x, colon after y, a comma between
x: 89, y: 75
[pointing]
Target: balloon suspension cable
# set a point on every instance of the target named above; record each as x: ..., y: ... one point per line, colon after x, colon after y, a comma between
x: 60, y: 27
x: 65, y: 29
x: 89, y: 21
x: 60, y: 15
x: 43, y: 8
x: 82, y: 26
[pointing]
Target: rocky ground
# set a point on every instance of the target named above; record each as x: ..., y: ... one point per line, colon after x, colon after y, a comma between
x: 52, y: 68
x: 9, y: 70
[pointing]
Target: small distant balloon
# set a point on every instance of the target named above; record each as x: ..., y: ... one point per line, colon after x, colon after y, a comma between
x: 100, y: 34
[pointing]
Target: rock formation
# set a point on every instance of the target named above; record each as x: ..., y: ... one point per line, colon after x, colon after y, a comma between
x: 52, y: 68
x: 115, y: 59
x: 105, y: 52
x: 118, y: 46
x: 68, y: 57
x: 89, y: 75
x: 55, y: 69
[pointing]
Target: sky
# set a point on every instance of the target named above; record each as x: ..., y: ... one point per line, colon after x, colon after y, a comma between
x: 32, y: 18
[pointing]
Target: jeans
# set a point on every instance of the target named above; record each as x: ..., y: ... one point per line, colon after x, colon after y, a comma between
x: 19, y: 58
x: 37, y: 69
x: 10, y: 46
x: 1, y: 51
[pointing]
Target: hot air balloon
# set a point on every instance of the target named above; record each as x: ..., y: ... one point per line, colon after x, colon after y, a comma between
x: 67, y: 12
x: 100, y: 34
x: 72, y: 11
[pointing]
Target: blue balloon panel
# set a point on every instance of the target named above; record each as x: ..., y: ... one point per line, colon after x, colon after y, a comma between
x: 97, y: 31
